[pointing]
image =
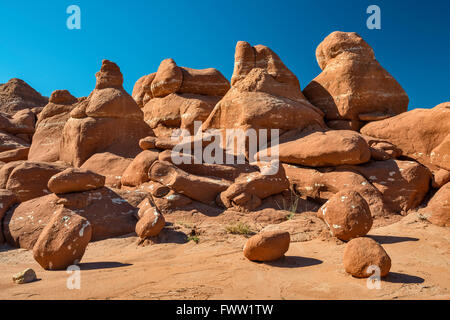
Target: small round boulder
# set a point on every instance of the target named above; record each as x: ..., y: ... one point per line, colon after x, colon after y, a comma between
x: 362, y: 253
x: 267, y: 246
x: 150, y: 224
x: 347, y: 214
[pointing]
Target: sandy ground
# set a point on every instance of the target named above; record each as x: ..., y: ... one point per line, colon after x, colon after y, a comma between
x: 215, y: 268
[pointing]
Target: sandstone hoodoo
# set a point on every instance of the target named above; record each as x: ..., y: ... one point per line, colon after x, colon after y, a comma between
x: 251, y: 163
x: 49, y: 126
x: 63, y: 241
x: 174, y: 97
x: 93, y: 126
x: 264, y: 94
x: 347, y: 215
x: 16, y: 95
x: 363, y: 255
x: 353, y: 85
x: 267, y: 246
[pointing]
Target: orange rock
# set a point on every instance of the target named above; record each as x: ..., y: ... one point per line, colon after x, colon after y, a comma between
x: 93, y: 125
x: 205, y: 82
x: 438, y: 208
x: 199, y: 188
x: 75, y: 180
x: 49, y: 127
x: 29, y: 179
x: 109, y: 213
x: 167, y: 80
x: 137, y: 172
x: 7, y: 199
x: 267, y: 246
x: 329, y: 148
x: 322, y: 184
x: 347, y: 215
x: 63, y: 241
x: 11, y: 142
x: 353, y: 85
x: 428, y: 128
x: 150, y: 224
x: 361, y: 253
x: 109, y: 165
x: 16, y: 95
x: 403, y: 184
x: 265, y: 94
x: 15, y: 154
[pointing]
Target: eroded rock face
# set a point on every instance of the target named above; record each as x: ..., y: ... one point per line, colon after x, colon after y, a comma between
x: 63, y: 241
x: 16, y: 95
x: 150, y: 224
x: 109, y: 120
x: 353, y: 85
x: 438, y: 208
x: 199, y: 188
x: 421, y: 134
x: 322, y: 184
x: 267, y: 246
x: 29, y: 179
x: 325, y: 148
x: 347, y: 215
x: 248, y: 190
x: 265, y: 94
x: 7, y: 200
x: 109, y: 165
x: 403, y: 184
x: 137, y: 172
x: 50, y: 125
x: 108, y: 212
x: 361, y: 253
x: 75, y: 180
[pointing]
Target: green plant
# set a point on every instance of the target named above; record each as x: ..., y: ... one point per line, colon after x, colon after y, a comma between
x: 290, y: 205
x: 194, y: 238
x: 239, y: 228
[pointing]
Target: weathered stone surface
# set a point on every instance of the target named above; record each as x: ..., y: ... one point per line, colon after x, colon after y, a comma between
x: 11, y: 142
x: 248, y: 190
x: 137, y: 172
x: 75, y: 180
x: 328, y: 148
x: 29, y: 179
x: 353, y: 85
x: 416, y: 133
x: 347, y: 215
x: 267, y: 246
x: 199, y: 188
x: 26, y: 276
x: 108, y: 212
x: 150, y: 224
x: 16, y: 95
x: 14, y: 155
x: 265, y: 94
x: 167, y: 80
x: 438, y: 208
x: 361, y: 253
x: 403, y: 184
x: 109, y: 120
x: 205, y: 82
x: 322, y: 184
x: 49, y: 127
x: 109, y: 165
x: 63, y: 241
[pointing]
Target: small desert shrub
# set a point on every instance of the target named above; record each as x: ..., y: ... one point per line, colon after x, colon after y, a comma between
x: 194, y: 238
x: 239, y: 228
x: 290, y: 205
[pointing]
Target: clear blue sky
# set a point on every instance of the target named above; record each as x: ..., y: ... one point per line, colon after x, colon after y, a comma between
x: 36, y: 46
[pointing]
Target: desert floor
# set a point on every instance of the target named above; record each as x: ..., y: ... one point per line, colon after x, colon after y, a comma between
x: 215, y: 268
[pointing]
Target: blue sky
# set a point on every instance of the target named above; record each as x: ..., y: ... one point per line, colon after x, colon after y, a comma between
x: 36, y: 46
